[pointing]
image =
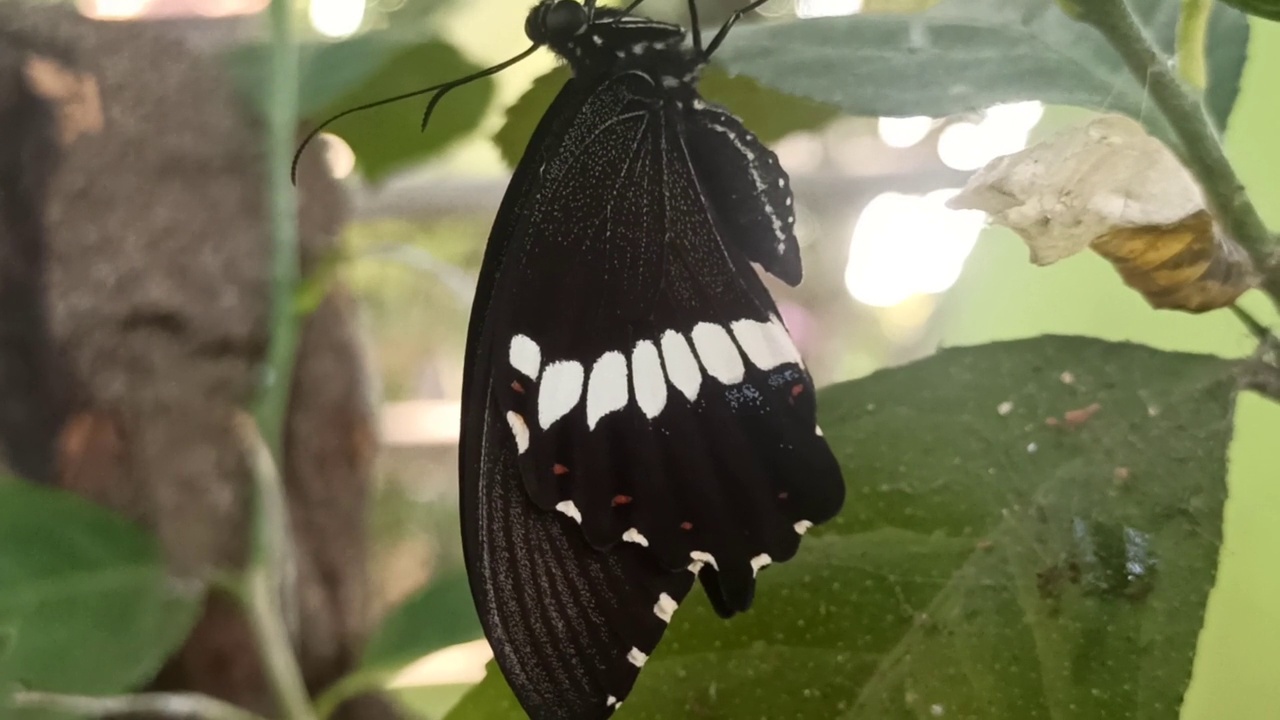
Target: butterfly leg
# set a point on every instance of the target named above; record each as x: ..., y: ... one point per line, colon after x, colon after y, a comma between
x: 724, y: 29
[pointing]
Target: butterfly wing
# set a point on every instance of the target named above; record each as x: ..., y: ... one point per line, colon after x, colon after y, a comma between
x: 636, y: 413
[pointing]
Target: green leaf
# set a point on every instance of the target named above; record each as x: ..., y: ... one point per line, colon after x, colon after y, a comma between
x: 438, y: 616
x: 964, y: 55
x: 1269, y: 9
x: 770, y: 114
x: 389, y: 138
x: 375, y: 66
x: 525, y: 113
x: 85, y: 595
x: 987, y: 564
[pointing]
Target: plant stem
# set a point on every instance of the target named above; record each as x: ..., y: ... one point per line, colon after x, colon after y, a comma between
x: 1201, y: 149
x: 266, y: 584
x: 282, y: 129
x: 1193, y: 26
x: 174, y: 705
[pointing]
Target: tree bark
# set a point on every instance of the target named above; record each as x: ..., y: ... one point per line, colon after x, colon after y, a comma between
x: 134, y: 271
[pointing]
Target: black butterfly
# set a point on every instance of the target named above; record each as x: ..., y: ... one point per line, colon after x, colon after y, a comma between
x: 635, y: 414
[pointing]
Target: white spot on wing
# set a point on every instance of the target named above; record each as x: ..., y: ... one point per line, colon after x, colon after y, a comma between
x: 607, y: 388
x: 817, y: 431
x: 561, y: 387
x: 611, y: 701
x: 718, y: 353
x: 647, y: 378
x: 665, y: 607
x: 703, y: 557
x: 802, y: 527
x: 766, y: 344
x: 525, y: 356
x: 633, y: 535
x: 520, y: 430
x: 759, y: 561
x: 682, y: 366
x: 568, y: 508
x: 636, y: 657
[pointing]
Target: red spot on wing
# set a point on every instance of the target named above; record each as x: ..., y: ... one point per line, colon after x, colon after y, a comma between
x: 559, y: 469
x: 686, y: 525
x: 515, y: 385
x: 796, y: 390
x: 783, y: 495
x: 621, y: 500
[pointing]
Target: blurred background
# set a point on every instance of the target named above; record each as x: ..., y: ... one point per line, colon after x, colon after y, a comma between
x: 891, y: 274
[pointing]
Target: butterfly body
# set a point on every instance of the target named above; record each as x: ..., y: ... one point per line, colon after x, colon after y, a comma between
x: 635, y: 414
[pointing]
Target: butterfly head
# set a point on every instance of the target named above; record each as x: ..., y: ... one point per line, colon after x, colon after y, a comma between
x: 554, y: 22
x: 601, y: 41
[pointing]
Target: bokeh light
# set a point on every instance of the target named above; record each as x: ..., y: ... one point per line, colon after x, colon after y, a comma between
x: 903, y: 132
x: 824, y: 8
x: 1002, y: 130
x: 336, y: 18
x: 905, y: 245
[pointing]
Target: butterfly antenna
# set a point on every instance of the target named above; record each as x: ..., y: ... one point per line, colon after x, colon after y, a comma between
x: 446, y: 87
x: 439, y: 89
x: 728, y: 24
x: 695, y: 27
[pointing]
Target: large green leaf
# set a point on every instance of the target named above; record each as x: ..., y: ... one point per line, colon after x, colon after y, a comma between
x: 84, y: 596
x: 963, y: 55
x: 988, y: 565
x: 389, y: 138
x: 770, y: 114
x: 341, y: 75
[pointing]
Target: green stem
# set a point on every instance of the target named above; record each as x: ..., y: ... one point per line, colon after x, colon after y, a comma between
x: 175, y: 705
x: 1201, y: 149
x: 266, y: 587
x: 282, y: 133
x: 1193, y: 26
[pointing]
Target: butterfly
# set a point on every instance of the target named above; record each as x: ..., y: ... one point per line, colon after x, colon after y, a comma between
x: 636, y: 416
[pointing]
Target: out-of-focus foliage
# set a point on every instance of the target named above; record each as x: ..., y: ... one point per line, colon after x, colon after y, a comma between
x: 86, y: 605
x: 1269, y: 9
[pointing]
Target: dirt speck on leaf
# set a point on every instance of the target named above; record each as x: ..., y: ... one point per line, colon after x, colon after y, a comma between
x: 1078, y: 417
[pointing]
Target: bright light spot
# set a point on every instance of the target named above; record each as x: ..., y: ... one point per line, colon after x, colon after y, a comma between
x: 338, y: 154
x: 114, y: 9
x: 826, y: 8
x: 130, y: 9
x: 905, y: 131
x: 905, y: 245
x: 456, y: 664
x: 1003, y: 130
x: 800, y: 152
x: 336, y: 18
